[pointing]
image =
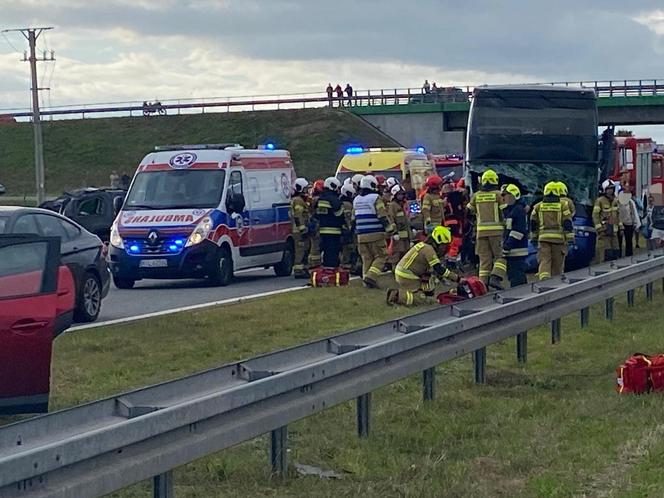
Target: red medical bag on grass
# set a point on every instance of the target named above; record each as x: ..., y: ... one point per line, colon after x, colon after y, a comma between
x: 473, y: 287
x: 329, y: 277
x: 641, y: 373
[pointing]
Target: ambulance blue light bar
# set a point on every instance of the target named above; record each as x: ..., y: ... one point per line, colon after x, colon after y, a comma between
x: 354, y: 150
x: 420, y: 149
x: 269, y: 146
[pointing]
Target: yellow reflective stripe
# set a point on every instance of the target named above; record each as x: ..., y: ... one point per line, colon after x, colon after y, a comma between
x: 338, y: 277
x: 484, y: 228
x: 330, y: 231
x: 522, y: 251
x: 485, y: 273
x: 375, y: 270
x: 598, y: 226
x: 500, y: 266
x: 340, y: 212
x: 486, y: 197
x: 405, y: 274
x: 324, y: 204
x: 409, y: 298
x: 403, y: 234
x: 417, y: 248
x: 544, y: 275
x: 516, y: 235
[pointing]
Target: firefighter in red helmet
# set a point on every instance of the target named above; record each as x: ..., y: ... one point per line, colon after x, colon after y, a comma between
x: 433, y: 205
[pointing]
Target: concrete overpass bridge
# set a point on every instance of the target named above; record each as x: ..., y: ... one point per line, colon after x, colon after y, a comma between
x: 439, y: 121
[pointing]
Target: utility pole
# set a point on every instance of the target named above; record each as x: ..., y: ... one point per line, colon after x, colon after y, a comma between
x: 31, y: 34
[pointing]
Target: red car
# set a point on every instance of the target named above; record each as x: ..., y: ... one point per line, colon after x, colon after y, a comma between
x: 37, y: 296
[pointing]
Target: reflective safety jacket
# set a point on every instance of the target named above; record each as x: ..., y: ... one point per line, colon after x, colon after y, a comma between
x: 299, y: 214
x: 330, y: 213
x: 570, y: 204
x: 433, y: 209
x: 551, y: 221
x: 347, y: 205
x: 605, y: 214
x: 486, y: 206
x: 515, y: 235
x: 370, y: 218
x: 421, y: 261
x: 399, y: 218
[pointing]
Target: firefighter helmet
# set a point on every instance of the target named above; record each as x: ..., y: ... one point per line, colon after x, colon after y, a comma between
x: 300, y: 185
x: 489, y: 177
x: 513, y: 190
x: 356, y: 179
x: 332, y: 183
x: 391, y: 182
x: 348, y: 190
x: 381, y: 180
x: 441, y: 235
x: 397, y: 189
x: 369, y: 182
x: 607, y: 184
x: 552, y: 188
x: 434, y: 181
x: 461, y: 184
x: 563, y: 188
x: 319, y: 186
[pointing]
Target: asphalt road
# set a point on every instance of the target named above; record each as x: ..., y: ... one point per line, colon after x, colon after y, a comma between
x: 150, y: 296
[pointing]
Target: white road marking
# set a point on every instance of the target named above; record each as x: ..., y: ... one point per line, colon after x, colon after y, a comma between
x: 232, y: 300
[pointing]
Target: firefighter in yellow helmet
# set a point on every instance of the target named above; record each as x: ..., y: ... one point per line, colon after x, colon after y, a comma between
x: 419, y: 270
x: 565, y: 198
x: 485, y: 204
x: 607, y: 223
x: 551, y: 227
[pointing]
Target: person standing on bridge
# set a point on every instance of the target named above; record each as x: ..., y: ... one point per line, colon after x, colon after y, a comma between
x: 349, y: 94
x: 330, y: 94
x: 340, y: 94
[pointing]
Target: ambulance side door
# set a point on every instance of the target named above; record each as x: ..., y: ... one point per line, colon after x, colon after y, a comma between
x: 238, y: 209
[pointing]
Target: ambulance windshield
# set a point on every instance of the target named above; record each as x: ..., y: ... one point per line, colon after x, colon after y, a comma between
x: 176, y: 189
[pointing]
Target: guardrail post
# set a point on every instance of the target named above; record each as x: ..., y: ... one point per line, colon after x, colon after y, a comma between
x: 279, y: 451
x: 608, y: 308
x: 630, y: 298
x: 162, y: 485
x: 363, y: 415
x: 556, y: 327
x: 522, y: 347
x: 649, y: 289
x: 479, y: 357
x: 585, y: 317
x: 429, y: 384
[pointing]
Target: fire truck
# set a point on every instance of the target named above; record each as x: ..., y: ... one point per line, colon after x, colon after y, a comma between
x: 635, y: 164
x: 448, y: 165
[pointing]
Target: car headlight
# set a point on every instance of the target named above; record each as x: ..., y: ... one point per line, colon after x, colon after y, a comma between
x: 200, y: 233
x: 116, y: 240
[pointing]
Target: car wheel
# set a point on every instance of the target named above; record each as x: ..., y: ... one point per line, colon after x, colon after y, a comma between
x: 285, y: 267
x: 123, y: 283
x: 223, y: 272
x: 90, y: 299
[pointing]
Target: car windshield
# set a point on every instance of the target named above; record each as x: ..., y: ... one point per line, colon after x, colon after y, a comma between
x: 4, y: 223
x: 581, y: 178
x: 176, y: 189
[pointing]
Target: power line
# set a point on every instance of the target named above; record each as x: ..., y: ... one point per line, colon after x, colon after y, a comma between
x: 32, y: 34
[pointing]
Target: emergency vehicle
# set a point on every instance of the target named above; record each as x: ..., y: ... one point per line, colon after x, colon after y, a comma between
x: 633, y: 157
x: 448, y: 165
x: 410, y: 167
x: 204, y: 211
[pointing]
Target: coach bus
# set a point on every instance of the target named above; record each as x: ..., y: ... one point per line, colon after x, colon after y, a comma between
x: 534, y: 134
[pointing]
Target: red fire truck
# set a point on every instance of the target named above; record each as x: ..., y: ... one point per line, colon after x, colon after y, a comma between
x: 446, y: 164
x: 633, y: 163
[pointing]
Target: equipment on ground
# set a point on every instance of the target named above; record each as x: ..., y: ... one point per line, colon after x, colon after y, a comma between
x: 329, y: 277
x: 640, y: 374
x: 468, y: 288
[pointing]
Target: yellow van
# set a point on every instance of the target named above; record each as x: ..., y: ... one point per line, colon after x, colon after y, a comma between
x: 410, y: 166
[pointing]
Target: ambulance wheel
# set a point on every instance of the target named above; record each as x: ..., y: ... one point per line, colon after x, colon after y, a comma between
x: 223, y: 272
x: 123, y: 283
x: 285, y: 267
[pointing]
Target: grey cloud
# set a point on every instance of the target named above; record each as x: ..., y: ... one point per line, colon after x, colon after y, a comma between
x: 561, y: 40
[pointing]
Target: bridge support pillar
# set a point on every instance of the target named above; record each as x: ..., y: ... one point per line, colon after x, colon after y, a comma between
x: 363, y: 415
x: 429, y: 384
x: 279, y: 451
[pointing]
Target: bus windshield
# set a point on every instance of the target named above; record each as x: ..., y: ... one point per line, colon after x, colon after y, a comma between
x: 176, y: 189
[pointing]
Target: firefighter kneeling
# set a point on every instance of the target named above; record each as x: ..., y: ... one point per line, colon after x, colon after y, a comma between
x: 419, y: 270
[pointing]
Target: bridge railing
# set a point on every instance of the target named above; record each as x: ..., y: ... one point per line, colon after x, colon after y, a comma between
x: 395, y: 96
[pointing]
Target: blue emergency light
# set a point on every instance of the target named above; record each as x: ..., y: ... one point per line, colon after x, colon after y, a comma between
x: 173, y: 248
x: 134, y: 248
x: 269, y: 146
x: 354, y: 150
x: 179, y: 242
x: 420, y: 149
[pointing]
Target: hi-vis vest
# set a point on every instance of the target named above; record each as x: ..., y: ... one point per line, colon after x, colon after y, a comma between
x: 366, y: 217
x: 299, y: 214
x: 487, y: 206
x: 605, y: 212
x: 550, y: 222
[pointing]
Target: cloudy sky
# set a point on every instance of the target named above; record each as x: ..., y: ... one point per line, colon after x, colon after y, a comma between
x: 122, y: 50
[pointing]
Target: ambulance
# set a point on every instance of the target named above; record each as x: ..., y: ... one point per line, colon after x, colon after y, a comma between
x: 410, y: 167
x: 204, y: 211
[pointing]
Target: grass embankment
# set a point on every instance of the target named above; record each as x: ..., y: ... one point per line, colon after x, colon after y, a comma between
x: 551, y: 428
x: 84, y: 152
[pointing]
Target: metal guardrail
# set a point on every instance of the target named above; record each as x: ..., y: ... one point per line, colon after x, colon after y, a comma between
x: 396, y: 96
x: 97, y: 448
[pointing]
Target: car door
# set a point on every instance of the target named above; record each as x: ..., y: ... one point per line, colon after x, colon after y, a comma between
x: 29, y: 302
x: 91, y: 213
x: 242, y: 221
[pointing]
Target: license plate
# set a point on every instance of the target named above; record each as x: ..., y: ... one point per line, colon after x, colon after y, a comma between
x: 153, y: 263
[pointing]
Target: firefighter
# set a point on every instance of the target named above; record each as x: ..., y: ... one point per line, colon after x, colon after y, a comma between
x: 515, y: 235
x: 314, y: 254
x: 348, y: 245
x: 356, y: 179
x: 372, y: 226
x: 565, y: 199
x: 485, y: 204
x: 397, y: 213
x: 329, y: 213
x: 433, y: 206
x: 391, y: 182
x: 551, y: 226
x: 299, y: 215
x: 607, y: 223
x: 418, y: 271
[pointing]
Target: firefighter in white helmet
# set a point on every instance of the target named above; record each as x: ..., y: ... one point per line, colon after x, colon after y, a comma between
x: 299, y: 215
x: 372, y: 226
x: 396, y: 211
x: 329, y: 212
x: 356, y: 179
x: 348, y: 243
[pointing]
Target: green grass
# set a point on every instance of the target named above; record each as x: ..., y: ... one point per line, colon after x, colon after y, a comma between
x: 84, y: 152
x: 551, y: 428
